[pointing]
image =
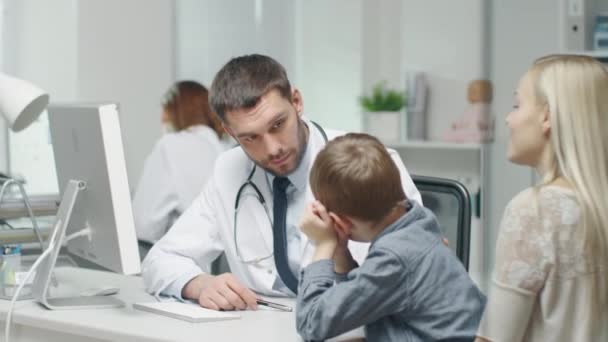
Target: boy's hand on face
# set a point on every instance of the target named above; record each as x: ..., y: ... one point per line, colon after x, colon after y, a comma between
x: 317, y: 224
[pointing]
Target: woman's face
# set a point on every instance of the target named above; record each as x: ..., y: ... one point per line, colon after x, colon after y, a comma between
x: 164, y: 117
x: 165, y: 123
x: 528, y: 125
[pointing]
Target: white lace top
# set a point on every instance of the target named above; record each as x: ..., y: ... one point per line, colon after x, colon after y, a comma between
x: 542, y: 278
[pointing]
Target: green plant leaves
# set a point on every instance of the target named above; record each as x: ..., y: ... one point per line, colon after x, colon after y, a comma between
x: 382, y: 99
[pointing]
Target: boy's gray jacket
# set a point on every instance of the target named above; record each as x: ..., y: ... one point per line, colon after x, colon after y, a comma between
x: 410, y: 287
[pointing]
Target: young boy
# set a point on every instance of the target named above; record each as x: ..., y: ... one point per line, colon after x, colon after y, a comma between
x: 410, y: 287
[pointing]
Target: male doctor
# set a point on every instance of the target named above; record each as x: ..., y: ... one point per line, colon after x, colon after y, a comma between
x: 251, y: 205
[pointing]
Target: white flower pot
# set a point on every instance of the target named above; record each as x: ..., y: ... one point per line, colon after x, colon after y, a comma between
x: 385, y: 126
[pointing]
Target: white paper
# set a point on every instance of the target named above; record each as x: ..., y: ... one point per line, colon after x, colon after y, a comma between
x: 185, y: 311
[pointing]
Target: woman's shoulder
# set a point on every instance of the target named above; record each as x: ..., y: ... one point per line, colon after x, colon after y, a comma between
x: 538, y: 237
x: 544, y: 198
x: 190, y: 140
x: 538, y: 213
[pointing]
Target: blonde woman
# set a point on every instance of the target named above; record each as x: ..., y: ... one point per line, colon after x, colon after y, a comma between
x: 180, y: 163
x: 550, y: 277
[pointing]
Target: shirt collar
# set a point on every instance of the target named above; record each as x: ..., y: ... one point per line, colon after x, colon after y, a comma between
x: 200, y: 129
x: 414, y: 213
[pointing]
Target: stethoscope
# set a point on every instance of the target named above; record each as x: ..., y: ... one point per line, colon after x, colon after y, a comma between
x: 258, y: 194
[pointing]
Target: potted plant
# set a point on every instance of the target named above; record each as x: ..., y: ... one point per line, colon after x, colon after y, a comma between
x: 383, y: 112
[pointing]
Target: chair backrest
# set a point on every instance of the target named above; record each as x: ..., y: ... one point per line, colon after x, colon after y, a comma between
x: 450, y: 201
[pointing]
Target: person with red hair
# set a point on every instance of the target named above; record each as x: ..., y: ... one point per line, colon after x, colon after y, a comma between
x: 180, y: 163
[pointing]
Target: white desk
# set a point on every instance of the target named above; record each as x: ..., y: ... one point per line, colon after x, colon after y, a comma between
x: 32, y: 322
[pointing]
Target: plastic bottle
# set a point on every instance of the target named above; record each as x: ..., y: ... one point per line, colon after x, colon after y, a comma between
x: 10, y: 265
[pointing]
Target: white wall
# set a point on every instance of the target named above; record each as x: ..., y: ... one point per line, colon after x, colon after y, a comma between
x: 335, y: 50
x: 95, y: 50
x: 211, y: 32
x: 40, y: 46
x: 513, y: 49
x: 444, y: 39
x: 318, y: 42
x: 382, y: 43
x: 125, y: 55
x: 329, y: 61
x: 3, y: 128
x: 4, y: 152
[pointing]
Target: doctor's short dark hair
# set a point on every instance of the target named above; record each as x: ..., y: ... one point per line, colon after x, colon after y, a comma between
x: 355, y: 175
x: 244, y: 80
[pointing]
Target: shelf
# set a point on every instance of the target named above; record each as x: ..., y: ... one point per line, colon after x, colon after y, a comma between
x: 600, y: 55
x: 436, y: 145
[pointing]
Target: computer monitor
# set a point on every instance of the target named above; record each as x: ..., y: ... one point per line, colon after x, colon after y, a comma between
x: 95, y: 216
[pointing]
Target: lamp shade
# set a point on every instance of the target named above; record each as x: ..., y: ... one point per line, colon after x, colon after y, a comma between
x: 20, y: 101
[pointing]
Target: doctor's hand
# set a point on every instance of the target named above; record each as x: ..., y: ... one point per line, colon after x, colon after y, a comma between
x: 222, y: 292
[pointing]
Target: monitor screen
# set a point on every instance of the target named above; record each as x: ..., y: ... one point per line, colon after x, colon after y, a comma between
x: 87, y: 145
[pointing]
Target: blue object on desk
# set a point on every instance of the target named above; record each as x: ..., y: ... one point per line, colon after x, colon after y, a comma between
x: 11, y: 250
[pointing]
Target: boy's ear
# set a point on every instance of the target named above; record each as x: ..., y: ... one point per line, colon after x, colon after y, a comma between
x: 343, y: 223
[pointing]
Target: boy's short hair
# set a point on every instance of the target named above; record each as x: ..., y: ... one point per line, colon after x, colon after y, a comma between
x: 244, y: 80
x: 355, y: 175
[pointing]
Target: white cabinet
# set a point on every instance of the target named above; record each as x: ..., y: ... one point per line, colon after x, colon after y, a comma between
x: 578, y: 27
x: 462, y: 162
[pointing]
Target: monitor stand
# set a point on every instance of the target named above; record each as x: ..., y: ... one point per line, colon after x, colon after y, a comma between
x: 42, y: 281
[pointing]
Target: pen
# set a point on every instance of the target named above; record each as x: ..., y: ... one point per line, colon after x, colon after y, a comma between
x: 274, y: 305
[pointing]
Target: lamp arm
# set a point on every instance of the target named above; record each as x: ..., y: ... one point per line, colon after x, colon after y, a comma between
x: 28, y: 206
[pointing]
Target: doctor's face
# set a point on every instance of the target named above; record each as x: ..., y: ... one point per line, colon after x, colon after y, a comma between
x: 272, y: 132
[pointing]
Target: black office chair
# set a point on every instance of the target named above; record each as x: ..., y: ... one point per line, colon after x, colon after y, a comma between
x: 450, y: 201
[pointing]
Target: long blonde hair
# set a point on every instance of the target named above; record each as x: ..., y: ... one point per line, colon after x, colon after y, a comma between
x: 575, y: 89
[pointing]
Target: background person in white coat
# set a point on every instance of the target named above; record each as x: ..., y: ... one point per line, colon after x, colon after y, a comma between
x: 180, y: 163
x: 259, y: 108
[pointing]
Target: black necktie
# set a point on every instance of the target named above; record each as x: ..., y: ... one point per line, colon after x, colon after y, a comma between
x: 279, y: 184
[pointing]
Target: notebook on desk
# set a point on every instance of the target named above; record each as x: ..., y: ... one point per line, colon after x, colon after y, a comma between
x: 185, y: 311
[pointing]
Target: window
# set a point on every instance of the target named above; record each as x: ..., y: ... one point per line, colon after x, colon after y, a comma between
x: 31, y: 158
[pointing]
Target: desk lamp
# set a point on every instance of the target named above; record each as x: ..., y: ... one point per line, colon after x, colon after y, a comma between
x: 21, y: 103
